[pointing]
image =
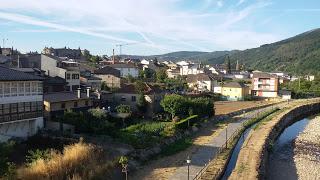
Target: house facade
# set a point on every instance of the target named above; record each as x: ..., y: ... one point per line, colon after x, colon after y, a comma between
x: 265, y: 85
x: 128, y: 95
x: 234, y: 91
x: 110, y: 76
x: 126, y: 70
x: 21, y: 104
x: 68, y: 70
x: 201, y: 82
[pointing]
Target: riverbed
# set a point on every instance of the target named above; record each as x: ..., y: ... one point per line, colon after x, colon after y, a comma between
x: 281, y: 163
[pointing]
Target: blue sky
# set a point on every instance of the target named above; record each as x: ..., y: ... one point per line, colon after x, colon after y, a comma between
x: 153, y: 26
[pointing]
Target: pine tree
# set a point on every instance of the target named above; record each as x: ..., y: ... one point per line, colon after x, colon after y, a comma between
x: 228, y: 65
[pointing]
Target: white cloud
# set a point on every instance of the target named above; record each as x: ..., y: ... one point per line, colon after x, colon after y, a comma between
x: 159, y: 24
x: 240, y: 2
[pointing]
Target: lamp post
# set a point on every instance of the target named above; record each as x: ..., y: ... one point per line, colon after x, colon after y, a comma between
x: 188, y: 163
x: 125, y: 170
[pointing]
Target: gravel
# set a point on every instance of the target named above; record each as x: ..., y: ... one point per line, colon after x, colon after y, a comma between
x: 307, y: 151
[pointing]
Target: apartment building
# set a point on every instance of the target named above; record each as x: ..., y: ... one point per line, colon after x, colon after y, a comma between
x: 66, y: 69
x: 126, y: 70
x: 202, y: 82
x: 21, y: 104
x: 265, y: 85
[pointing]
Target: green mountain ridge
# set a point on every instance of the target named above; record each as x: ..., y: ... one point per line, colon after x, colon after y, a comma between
x: 298, y: 55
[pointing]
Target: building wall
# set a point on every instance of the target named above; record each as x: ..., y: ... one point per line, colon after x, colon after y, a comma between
x: 94, y: 84
x: 110, y: 80
x: 21, y: 110
x: 265, y: 87
x: 124, y: 72
x: 20, y: 129
x: 234, y: 94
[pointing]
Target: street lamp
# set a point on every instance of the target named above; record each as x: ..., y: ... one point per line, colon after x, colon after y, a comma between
x: 188, y: 163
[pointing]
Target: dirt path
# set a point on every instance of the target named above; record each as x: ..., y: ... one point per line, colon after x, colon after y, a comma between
x: 204, y: 145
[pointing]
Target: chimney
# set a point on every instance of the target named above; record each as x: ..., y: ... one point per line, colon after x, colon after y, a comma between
x: 88, y: 92
x: 79, y: 92
x: 113, y: 56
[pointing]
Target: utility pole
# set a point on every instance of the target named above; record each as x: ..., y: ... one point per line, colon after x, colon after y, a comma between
x: 3, y: 41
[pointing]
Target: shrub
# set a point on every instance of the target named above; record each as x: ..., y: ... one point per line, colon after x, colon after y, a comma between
x: 80, y: 160
x: 183, y: 124
x: 5, y: 150
x: 123, y: 108
x: 34, y: 156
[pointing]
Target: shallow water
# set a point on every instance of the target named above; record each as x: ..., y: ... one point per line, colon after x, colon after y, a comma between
x: 280, y: 163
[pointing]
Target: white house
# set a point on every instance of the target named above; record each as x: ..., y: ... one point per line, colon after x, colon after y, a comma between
x: 201, y: 82
x: 126, y: 69
x: 21, y: 104
x: 66, y: 69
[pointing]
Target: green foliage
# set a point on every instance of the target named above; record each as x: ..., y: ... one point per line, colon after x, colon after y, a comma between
x: 161, y: 75
x: 303, y: 88
x: 95, y: 59
x: 123, y: 160
x: 181, y: 106
x: 98, y: 113
x: 176, y: 147
x: 175, y: 104
x: 140, y: 86
x: 122, y: 108
x: 183, y: 124
x: 5, y: 150
x: 130, y: 79
x: 142, y: 103
x: 178, y: 84
x: 145, y: 134
x: 34, y: 155
x: 104, y: 86
x: 147, y: 74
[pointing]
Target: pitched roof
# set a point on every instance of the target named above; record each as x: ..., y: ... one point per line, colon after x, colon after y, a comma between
x: 108, y: 70
x: 234, y: 84
x: 7, y: 74
x: 201, y: 77
x: 263, y: 75
x: 127, y: 65
x: 131, y: 89
x: 63, y: 96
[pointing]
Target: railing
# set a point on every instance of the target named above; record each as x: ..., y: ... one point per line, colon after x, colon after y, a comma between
x: 220, y: 149
x: 20, y: 116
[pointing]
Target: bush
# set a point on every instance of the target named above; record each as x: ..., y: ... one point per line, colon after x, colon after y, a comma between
x: 123, y: 109
x: 5, y: 150
x: 143, y: 135
x: 183, y: 124
x: 34, y: 156
x: 80, y: 160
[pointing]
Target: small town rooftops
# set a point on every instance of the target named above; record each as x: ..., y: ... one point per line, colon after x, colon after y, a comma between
x: 263, y: 75
x: 234, y: 85
x: 63, y: 96
x: 131, y: 89
x: 7, y: 74
x: 108, y: 70
x: 201, y: 77
x: 126, y: 65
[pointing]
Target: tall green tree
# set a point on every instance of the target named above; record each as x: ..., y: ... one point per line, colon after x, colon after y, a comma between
x: 161, y: 75
x: 142, y: 103
x: 174, y: 104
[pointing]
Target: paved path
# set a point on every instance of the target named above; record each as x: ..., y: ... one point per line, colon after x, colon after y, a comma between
x: 208, y: 151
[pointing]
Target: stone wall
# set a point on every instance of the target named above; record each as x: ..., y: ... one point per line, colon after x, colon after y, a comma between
x: 286, y: 120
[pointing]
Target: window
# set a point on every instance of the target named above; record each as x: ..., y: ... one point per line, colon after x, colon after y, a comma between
x: 40, y: 88
x: 1, y: 110
x: 63, y: 105
x: 34, y: 88
x: 6, y: 89
x: 14, y: 89
x: 33, y: 106
x: 133, y: 98
x: 75, y: 76
x: 1, y: 90
x: 21, y: 107
x: 27, y: 88
x: 123, y: 98
x: 67, y: 76
x: 27, y: 106
x: 6, y: 109
x: 21, y: 89
x: 14, y: 108
x: 75, y: 104
x: 39, y: 106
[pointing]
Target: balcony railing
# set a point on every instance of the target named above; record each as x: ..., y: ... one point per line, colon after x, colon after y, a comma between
x: 20, y: 116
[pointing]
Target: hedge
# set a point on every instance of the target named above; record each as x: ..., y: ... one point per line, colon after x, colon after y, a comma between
x: 183, y: 124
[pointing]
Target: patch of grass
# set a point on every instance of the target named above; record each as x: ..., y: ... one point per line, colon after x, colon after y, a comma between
x: 176, y: 147
x: 241, y: 168
x: 268, y: 118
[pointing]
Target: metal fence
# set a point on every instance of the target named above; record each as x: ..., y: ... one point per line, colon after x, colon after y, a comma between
x: 235, y: 135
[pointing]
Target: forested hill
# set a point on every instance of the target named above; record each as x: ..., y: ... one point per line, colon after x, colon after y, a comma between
x: 299, y: 54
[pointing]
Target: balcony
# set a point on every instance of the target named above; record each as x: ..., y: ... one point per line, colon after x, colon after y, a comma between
x: 19, y: 116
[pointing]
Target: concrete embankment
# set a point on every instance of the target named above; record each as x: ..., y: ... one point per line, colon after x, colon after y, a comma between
x: 253, y: 157
x: 307, y: 151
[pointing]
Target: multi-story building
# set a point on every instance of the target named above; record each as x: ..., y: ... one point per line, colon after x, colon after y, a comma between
x: 234, y: 91
x: 65, y: 52
x: 201, y: 82
x: 265, y: 85
x: 67, y: 69
x: 88, y: 79
x: 21, y: 104
x: 110, y: 76
x: 127, y: 69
